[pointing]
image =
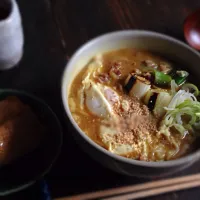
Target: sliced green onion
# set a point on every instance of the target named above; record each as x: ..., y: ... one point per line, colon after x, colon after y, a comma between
x: 197, y: 125
x: 182, y: 104
x: 174, y: 87
x: 182, y: 73
x: 181, y: 129
x: 191, y: 88
x: 180, y: 77
x: 163, y: 99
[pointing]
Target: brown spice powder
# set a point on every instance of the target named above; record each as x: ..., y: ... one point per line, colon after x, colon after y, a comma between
x: 134, y: 122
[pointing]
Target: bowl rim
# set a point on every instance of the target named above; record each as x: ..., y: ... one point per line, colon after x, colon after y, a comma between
x: 171, y: 163
x: 27, y: 184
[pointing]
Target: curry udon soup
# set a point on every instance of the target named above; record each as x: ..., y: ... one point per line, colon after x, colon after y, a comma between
x: 137, y: 105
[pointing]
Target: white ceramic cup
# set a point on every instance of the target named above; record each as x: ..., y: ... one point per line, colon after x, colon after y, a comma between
x: 11, y: 34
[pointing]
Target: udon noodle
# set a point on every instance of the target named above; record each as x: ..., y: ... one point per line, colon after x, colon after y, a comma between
x: 137, y: 105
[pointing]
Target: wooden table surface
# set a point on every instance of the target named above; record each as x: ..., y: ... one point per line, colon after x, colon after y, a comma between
x: 54, y: 29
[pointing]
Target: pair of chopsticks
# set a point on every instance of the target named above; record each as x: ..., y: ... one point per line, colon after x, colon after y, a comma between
x: 141, y: 190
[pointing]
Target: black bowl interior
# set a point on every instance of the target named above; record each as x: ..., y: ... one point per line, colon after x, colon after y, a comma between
x: 34, y: 165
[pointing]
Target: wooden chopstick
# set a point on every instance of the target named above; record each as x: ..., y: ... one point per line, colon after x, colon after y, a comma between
x: 153, y: 192
x: 141, y: 190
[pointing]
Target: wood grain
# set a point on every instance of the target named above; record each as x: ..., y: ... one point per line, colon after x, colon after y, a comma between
x: 148, y: 189
x: 53, y: 31
x: 77, y: 22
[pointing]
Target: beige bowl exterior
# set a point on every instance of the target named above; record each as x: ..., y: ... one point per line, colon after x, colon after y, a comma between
x: 146, y: 40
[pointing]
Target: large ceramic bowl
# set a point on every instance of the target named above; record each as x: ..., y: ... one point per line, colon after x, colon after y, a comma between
x: 151, y: 41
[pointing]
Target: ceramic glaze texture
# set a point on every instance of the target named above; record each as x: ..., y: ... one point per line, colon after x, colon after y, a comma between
x: 11, y: 36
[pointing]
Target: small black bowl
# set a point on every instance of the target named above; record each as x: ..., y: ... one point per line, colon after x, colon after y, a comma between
x: 26, y: 170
